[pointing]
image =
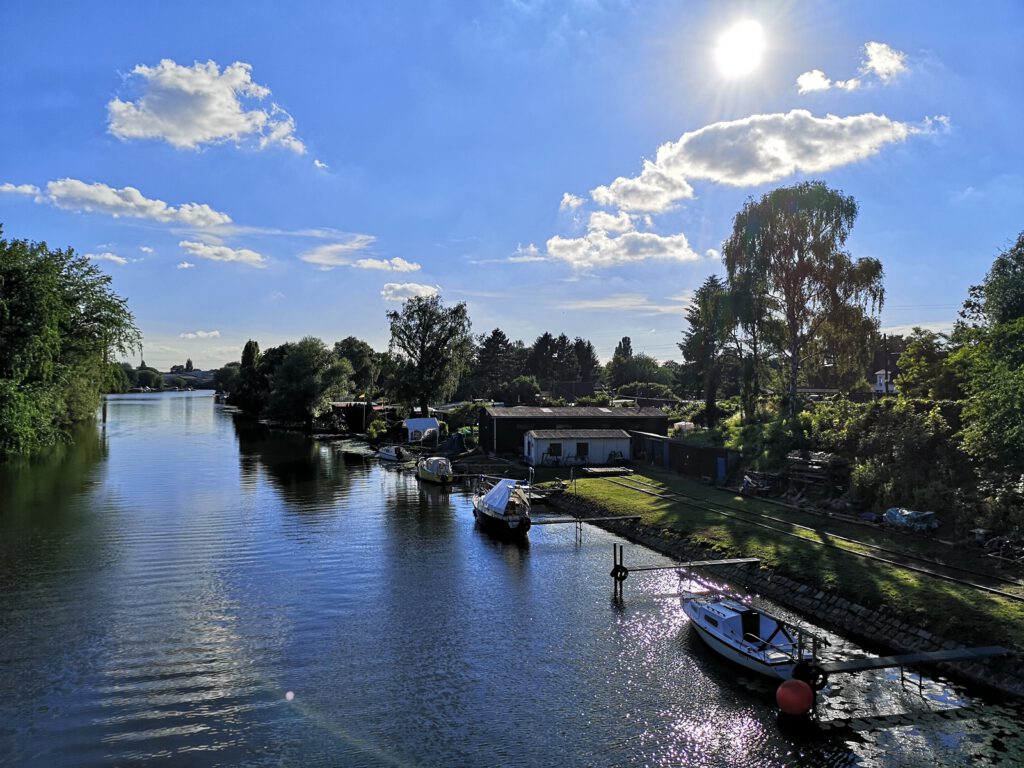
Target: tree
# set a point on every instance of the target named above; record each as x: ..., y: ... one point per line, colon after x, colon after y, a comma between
x: 586, y: 360
x: 304, y: 381
x: 787, y: 251
x: 60, y: 324
x: 251, y: 385
x: 497, y: 361
x: 540, y: 362
x: 1000, y: 298
x: 437, y: 341
x: 710, y: 322
x: 565, y: 365
x: 924, y: 368
x: 364, y: 363
x: 226, y: 377
x: 188, y: 365
x: 523, y: 390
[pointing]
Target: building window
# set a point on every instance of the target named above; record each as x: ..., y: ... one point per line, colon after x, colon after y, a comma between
x: 555, y: 449
x: 582, y: 450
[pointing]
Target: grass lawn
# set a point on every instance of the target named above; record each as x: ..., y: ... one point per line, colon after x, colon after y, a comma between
x: 952, y: 611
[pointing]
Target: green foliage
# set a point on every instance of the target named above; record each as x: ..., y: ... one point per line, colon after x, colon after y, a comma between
x: 466, y: 415
x: 225, y: 379
x: 597, y: 399
x: 924, y: 367
x: 376, y: 429
x: 765, y: 442
x: 1000, y: 297
x: 251, y: 387
x: 523, y: 390
x: 645, y: 389
x: 365, y: 368
x: 59, y: 325
x: 785, y: 259
x: 437, y: 342
x: 638, y: 367
x: 497, y: 360
x: 904, y: 452
x: 149, y: 377
x: 710, y: 320
x: 305, y: 381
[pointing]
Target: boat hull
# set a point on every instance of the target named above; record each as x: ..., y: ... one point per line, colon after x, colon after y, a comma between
x: 777, y: 671
x: 430, y: 477
x: 500, y: 526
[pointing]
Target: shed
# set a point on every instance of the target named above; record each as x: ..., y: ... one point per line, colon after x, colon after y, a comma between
x: 421, y: 428
x: 502, y: 430
x: 561, y: 447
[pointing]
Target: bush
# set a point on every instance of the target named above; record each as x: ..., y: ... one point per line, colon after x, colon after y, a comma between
x: 376, y: 429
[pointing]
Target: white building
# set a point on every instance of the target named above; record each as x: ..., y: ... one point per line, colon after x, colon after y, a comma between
x: 560, y: 447
x: 883, y: 385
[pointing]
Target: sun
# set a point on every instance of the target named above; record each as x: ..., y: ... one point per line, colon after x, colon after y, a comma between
x: 739, y: 49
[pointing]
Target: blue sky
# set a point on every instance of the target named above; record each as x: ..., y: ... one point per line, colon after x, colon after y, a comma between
x: 270, y: 171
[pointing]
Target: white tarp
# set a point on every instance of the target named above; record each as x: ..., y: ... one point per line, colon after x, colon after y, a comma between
x: 497, y: 498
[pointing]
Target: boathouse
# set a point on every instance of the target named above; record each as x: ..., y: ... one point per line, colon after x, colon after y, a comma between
x: 575, y: 447
x: 708, y: 462
x: 503, y: 430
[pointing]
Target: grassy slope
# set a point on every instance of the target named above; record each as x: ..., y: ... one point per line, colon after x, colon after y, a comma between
x: 952, y: 611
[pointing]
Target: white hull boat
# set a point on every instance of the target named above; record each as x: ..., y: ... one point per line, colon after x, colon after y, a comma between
x: 747, y: 636
x: 393, y: 453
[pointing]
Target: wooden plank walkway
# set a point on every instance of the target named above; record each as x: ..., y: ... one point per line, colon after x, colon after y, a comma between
x: 560, y: 520
x: 696, y: 564
x: 907, y: 659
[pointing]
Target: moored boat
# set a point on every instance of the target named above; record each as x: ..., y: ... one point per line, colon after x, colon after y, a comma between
x: 434, y: 469
x: 393, y: 453
x: 752, y: 638
x: 504, y: 508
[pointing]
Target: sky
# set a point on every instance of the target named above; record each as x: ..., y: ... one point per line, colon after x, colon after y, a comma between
x: 278, y: 170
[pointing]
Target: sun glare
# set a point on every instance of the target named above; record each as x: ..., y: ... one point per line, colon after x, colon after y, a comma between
x: 740, y: 48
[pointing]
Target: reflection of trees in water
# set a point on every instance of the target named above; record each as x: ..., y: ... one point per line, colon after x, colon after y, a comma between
x: 38, y: 489
x: 309, y: 474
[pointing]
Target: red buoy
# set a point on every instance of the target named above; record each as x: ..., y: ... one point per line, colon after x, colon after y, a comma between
x: 795, y: 697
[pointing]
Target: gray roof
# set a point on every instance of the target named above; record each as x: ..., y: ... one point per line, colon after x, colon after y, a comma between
x: 567, y: 412
x: 577, y: 434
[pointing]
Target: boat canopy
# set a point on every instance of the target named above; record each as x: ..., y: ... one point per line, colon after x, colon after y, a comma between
x: 497, y: 498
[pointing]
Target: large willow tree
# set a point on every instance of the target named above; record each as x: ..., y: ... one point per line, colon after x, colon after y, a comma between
x: 786, y: 259
x: 437, y: 343
x: 60, y: 326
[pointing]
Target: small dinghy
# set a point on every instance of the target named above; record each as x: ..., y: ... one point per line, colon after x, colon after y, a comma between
x: 393, y: 453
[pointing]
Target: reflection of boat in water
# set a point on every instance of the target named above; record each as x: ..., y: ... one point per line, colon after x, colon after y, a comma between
x: 504, y: 508
x: 747, y: 636
x: 393, y: 453
x: 434, y: 469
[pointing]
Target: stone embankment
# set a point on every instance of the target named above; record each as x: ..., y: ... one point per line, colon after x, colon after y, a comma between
x: 869, y: 626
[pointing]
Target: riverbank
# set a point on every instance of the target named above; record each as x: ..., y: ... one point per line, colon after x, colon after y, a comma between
x: 878, y: 604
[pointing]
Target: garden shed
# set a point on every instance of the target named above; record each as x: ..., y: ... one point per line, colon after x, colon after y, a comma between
x: 562, y: 447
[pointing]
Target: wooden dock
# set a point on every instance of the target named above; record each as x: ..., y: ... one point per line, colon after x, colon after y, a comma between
x: 908, y: 659
x: 560, y: 520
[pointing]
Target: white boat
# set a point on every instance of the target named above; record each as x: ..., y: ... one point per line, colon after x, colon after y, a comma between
x: 747, y: 636
x: 434, y: 469
x: 393, y: 453
x: 504, y: 508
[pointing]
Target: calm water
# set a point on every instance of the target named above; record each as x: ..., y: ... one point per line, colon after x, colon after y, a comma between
x: 180, y: 589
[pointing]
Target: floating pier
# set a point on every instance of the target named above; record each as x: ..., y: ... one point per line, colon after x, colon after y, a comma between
x: 907, y: 659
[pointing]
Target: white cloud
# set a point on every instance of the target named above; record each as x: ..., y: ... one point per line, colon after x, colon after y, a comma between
x: 186, y: 265
x: 712, y: 254
x: 880, y: 61
x: 396, y: 264
x: 755, y: 150
x: 630, y: 302
x: 526, y: 254
x: 883, y: 61
x: 620, y: 222
x: 570, y: 202
x: 19, y: 189
x: 334, y: 255
x: 107, y: 257
x: 597, y: 249
x: 199, y: 335
x: 75, y: 195
x: 403, y: 291
x: 320, y: 165
x: 145, y: 249
x: 191, y: 106
x: 815, y: 80
x: 653, y: 190
x: 224, y: 253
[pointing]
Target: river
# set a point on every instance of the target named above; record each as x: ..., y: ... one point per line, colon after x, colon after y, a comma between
x: 179, y: 588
